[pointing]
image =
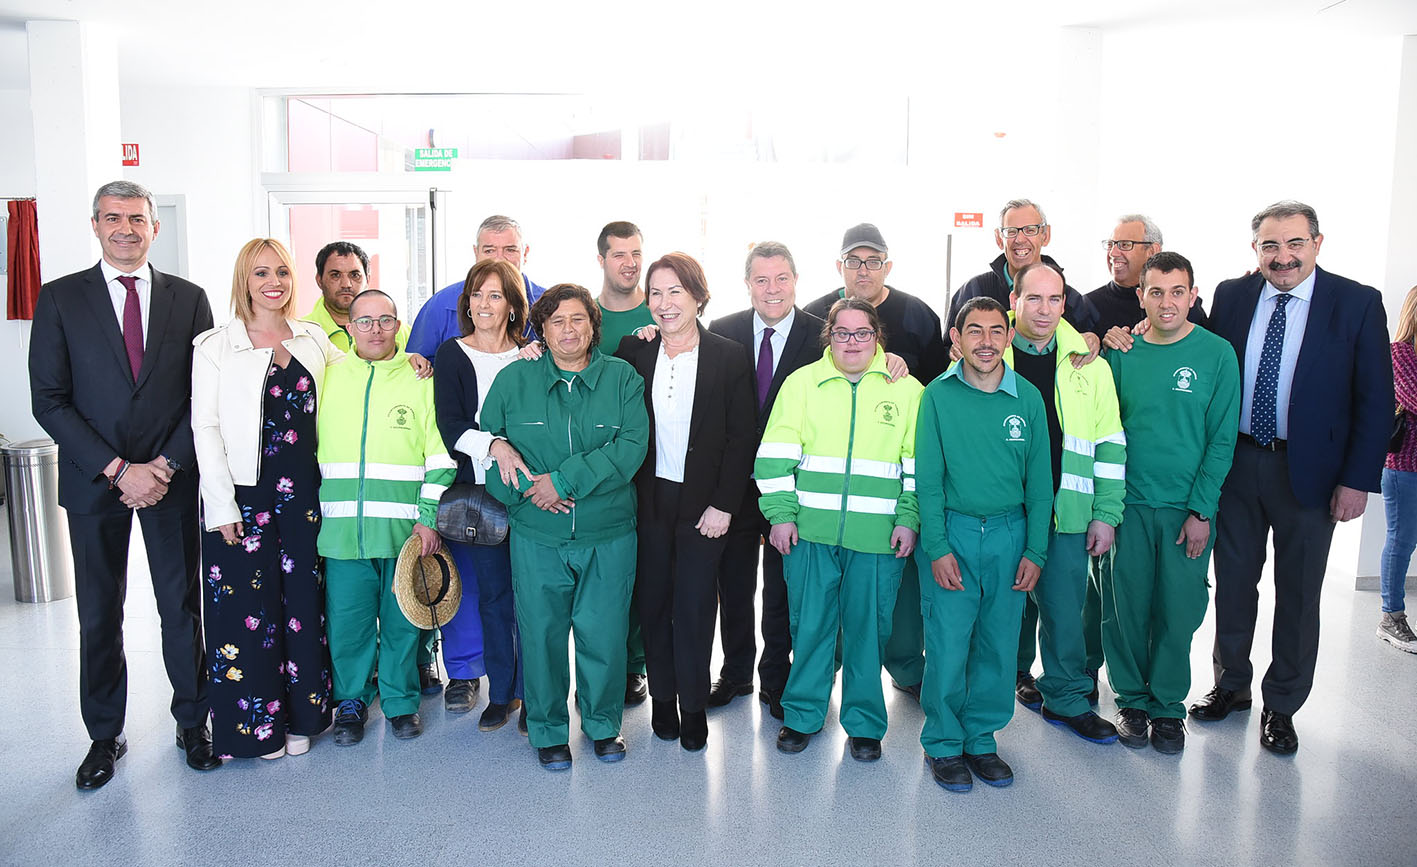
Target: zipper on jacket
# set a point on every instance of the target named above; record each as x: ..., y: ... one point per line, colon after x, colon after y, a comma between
x: 363, y: 440
x: 570, y: 446
x: 846, y: 474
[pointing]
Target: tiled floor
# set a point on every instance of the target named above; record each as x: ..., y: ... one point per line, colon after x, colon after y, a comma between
x: 458, y: 796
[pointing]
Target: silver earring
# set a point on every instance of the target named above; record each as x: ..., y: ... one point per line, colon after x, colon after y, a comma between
x: 512, y: 317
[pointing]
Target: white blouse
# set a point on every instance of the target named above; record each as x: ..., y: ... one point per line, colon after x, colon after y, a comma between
x: 673, y: 395
x: 476, y: 443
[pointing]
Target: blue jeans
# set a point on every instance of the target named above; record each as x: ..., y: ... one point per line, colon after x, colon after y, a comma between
x: 495, y: 628
x: 1400, y: 503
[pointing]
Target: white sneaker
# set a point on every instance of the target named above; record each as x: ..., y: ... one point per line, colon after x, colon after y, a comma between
x: 297, y: 745
x: 1394, y: 630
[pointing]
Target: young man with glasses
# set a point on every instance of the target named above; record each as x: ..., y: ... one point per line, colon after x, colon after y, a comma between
x: 384, y: 466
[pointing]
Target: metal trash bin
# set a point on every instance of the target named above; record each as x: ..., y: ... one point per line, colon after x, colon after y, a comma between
x: 39, y: 530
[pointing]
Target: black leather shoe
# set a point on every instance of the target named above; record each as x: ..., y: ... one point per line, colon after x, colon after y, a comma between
x: 664, y: 719
x: 693, y: 731
x: 951, y: 773
x: 773, y: 699
x: 1277, y: 732
x: 521, y: 720
x: 610, y: 749
x: 557, y: 758
x: 428, y: 681
x: 725, y: 691
x: 461, y: 695
x: 636, y: 689
x: 350, y: 717
x: 990, y: 768
x: 1218, y: 703
x: 790, y: 740
x: 1168, y: 735
x: 1026, y: 691
x: 197, y: 743
x: 1088, y: 725
x: 913, y: 689
x: 406, y: 726
x: 864, y: 749
x: 495, y: 715
x: 1093, y: 696
x: 97, y: 767
x: 1132, y: 725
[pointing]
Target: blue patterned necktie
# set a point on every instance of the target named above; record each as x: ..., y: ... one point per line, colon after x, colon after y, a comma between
x: 1262, y: 410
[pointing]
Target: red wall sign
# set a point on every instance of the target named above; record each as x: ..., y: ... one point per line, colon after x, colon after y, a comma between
x: 969, y: 221
x: 130, y: 155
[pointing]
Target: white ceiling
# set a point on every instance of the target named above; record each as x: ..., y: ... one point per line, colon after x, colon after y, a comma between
x: 572, y: 45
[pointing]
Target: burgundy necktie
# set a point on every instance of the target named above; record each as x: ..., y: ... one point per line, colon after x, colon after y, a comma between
x: 133, y: 325
x: 765, y: 366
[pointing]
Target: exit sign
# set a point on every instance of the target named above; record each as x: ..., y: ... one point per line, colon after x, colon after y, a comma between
x: 130, y: 153
x: 967, y: 220
x: 434, y: 159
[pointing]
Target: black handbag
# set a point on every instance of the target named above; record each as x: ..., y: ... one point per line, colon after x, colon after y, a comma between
x: 1399, y: 431
x: 468, y: 514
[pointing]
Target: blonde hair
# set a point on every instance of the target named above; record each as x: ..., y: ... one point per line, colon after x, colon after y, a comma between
x: 1407, y: 319
x: 245, y: 262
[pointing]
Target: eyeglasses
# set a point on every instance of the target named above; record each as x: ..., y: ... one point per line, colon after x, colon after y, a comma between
x: 871, y: 264
x: 861, y: 336
x: 1271, y: 248
x: 366, y: 323
x: 1125, y: 246
x: 1030, y: 231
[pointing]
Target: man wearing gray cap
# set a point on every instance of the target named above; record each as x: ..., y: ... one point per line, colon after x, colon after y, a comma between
x: 912, y: 331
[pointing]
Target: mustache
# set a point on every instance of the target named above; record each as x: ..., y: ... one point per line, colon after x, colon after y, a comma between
x: 1284, y: 266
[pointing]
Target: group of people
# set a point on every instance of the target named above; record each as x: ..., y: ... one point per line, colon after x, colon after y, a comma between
x: 1046, y: 473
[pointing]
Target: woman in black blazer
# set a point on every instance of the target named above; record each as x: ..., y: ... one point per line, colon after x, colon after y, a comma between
x: 699, y: 393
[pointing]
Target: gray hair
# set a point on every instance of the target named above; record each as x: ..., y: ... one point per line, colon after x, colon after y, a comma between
x: 125, y: 190
x: 1151, y: 233
x: 498, y: 223
x: 767, y: 250
x: 1283, y: 210
x: 1022, y: 203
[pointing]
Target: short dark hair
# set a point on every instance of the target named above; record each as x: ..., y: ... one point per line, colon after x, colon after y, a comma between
x: 979, y: 302
x: 690, y: 274
x: 511, y: 280
x: 1283, y: 210
x: 1029, y: 269
x: 552, y: 298
x: 844, y: 304
x: 392, y: 302
x: 340, y: 248
x: 618, y: 229
x: 1165, y: 262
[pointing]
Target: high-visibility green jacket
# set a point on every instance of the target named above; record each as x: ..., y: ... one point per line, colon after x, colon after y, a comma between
x: 1093, y: 479
x: 838, y: 457
x: 383, y: 462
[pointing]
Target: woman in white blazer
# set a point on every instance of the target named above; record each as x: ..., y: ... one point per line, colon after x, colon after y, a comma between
x: 255, y: 390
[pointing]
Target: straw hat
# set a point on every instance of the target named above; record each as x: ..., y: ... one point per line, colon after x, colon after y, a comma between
x: 428, y: 589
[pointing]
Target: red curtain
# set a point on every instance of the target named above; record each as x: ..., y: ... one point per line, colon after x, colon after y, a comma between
x: 23, y: 260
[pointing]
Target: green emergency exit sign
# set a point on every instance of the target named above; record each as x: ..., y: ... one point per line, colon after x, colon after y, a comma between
x: 434, y: 159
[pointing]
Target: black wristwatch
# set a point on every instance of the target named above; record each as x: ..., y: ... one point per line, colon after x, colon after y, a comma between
x: 176, y: 467
x: 1199, y: 517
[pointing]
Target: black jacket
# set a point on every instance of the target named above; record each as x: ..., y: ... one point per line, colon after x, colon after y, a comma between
x: 912, y: 331
x: 1076, y: 309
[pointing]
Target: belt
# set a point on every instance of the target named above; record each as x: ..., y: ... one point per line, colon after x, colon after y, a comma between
x: 1275, y: 445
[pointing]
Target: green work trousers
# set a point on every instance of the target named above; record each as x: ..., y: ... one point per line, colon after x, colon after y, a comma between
x: 1058, y: 597
x: 366, y: 628
x: 581, y: 590
x: 971, y: 636
x: 1091, y: 620
x: 905, y: 651
x: 1152, y: 603
x: 427, y: 641
x: 833, y: 590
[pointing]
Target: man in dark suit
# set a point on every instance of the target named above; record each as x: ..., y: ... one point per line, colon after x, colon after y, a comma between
x: 1315, y: 417
x: 110, y: 378
x: 778, y: 339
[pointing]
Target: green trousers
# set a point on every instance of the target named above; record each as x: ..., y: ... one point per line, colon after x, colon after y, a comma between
x: 427, y: 639
x: 1091, y: 620
x: 905, y: 651
x: 584, y: 591
x: 971, y: 636
x: 833, y: 590
x: 365, y: 628
x: 1058, y: 597
x: 1152, y: 603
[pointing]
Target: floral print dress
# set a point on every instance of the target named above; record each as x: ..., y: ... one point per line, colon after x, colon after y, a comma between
x: 268, y: 661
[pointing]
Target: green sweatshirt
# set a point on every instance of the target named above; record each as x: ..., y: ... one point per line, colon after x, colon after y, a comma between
x: 1181, y: 410
x: 838, y: 457
x: 615, y: 325
x: 589, y: 433
x: 983, y: 453
x: 382, y: 460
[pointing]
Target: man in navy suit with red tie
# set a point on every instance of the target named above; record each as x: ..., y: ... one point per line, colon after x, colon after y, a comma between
x: 1315, y: 416
x: 110, y: 380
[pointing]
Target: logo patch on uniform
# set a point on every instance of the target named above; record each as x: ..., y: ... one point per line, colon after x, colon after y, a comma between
x: 402, y: 417
x: 887, y: 412
x: 1185, y: 377
x: 1014, y: 427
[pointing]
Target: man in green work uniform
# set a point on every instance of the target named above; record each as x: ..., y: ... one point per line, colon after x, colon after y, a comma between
x: 983, y: 476
x: 384, y: 466
x: 578, y: 419
x: 1088, y: 456
x: 1179, y: 390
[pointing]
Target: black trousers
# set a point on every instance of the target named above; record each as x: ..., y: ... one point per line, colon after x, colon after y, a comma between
x: 675, y: 592
x: 737, y: 585
x: 100, y: 546
x: 1257, y: 497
